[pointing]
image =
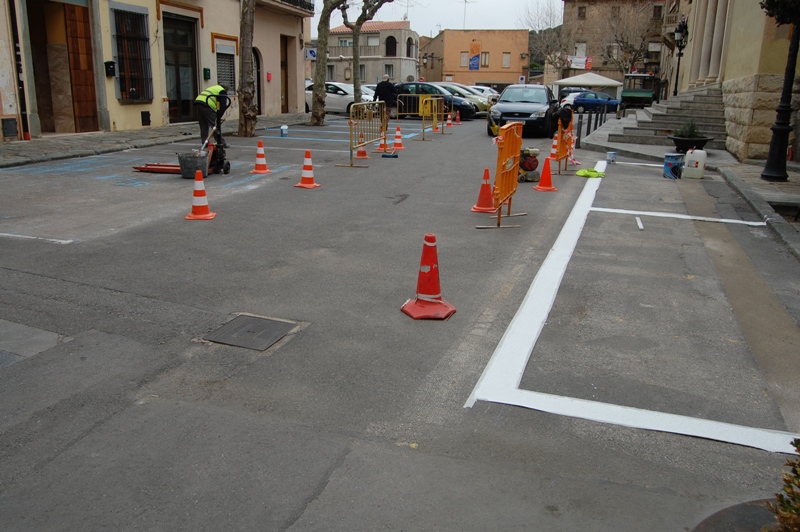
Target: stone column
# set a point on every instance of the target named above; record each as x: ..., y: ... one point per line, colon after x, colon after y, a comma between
x: 708, y: 39
x: 719, y: 39
x: 696, y: 34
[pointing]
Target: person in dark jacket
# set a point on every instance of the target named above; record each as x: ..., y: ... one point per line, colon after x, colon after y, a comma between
x: 384, y: 92
x: 207, y: 105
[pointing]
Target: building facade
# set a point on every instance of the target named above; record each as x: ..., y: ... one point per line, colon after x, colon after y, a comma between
x: 495, y: 58
x: 106, y: 65
x: 384, y: 48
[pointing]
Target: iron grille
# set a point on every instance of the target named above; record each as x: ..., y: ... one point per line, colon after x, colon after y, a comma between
x: 133, y: 56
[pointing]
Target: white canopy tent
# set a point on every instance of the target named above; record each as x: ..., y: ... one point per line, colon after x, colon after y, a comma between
x: 590, y: 80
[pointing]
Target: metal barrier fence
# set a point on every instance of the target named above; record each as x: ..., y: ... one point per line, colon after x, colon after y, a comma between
x: 428, y: 107
x: 506, y: 177
x: 366, y: 126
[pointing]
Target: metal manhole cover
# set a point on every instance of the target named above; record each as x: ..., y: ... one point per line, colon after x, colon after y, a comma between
x: 250, y: 332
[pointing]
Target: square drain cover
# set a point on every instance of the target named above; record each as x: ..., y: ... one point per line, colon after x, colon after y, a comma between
x: 250, y: 332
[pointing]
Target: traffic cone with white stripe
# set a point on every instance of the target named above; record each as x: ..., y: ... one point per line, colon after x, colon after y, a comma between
x: 398, y: 140
x: 362, y: 150
x: 485, y: 201
x: 449, y: 120
x: 428, y: 305
x: 458, y: 117
x: 382, y: 146
x: 261, y: 161
x: 554, y: 148
x: 307, y: 176
x: 200, y: 210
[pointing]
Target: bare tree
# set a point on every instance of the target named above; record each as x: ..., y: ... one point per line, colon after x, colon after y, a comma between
x: 368, y: 10
x: 631, y: 30
x: 323, y: 30
x: 248, y: 106
x: 549, y: 43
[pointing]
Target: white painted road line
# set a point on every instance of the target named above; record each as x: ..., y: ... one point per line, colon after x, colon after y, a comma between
x: 51, y: 240
x: 679, y: 216
x: 500, y: 380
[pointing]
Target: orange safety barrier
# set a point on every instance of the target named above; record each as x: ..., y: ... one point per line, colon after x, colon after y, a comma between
x: 564, y: 144
x: 506, y: 177
x: 366, y: 127
x: 427, y: 106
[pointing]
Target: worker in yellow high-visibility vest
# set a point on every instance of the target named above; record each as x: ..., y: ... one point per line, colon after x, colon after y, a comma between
x: 207, y: 107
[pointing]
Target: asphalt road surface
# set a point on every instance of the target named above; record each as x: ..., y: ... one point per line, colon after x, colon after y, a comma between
x: 115, y: 414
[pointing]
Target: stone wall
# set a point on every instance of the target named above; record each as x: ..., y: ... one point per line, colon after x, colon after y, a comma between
x: 750, y: 104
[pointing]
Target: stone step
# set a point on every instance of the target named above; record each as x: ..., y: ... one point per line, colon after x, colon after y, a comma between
x: 657, y: 140
x: 676, y: 123
x: 698, y: 106
x: 694, y: 98
x: 690, y: 112
x: 717, y: 133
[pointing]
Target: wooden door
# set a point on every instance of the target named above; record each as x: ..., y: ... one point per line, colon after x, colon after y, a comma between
x: 81, y: 70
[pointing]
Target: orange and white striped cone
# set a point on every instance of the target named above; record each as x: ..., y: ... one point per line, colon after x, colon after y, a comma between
x: 554, y: 148
x: 449, y: 120
x: 362, y: 150
x: 398, y: 140
x: 485, y: 196
x: 428, y: 305
x: 382, y: 146
x: 261, y: 161
x: 307, y: 176
x: 200, y: 210
x: 458, y: 117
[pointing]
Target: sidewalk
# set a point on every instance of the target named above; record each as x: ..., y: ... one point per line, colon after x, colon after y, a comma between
x: 744, y: 178
x: 67, y: 146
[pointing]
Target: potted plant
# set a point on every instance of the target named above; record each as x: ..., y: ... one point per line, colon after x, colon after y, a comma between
x: 688, y: 137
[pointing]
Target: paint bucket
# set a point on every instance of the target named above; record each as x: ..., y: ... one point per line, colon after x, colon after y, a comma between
x: 673, y: 165
x: 192, y: 162
x: 611, y: 157
x: 284, y: 131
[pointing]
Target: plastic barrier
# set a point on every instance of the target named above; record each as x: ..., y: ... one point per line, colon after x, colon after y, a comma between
x: 366, y: 127
x: 564, y: 145
x: 509, y: 144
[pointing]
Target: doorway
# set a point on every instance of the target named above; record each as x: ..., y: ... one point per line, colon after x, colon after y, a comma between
x: 257, y: 74
x: 284, y: 74
x: 180, y: 67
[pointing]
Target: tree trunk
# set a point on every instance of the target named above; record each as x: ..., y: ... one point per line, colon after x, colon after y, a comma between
x: 357, y: 64
x: 248, y: 106
x: 323, y: 30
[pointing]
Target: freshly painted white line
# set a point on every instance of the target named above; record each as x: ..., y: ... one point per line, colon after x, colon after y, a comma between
x: 639, y: 223
x: 679, y: 216
x: 642, y: 164
x: 51, y: 240
x: 500, y: 380
x: 508, y: 362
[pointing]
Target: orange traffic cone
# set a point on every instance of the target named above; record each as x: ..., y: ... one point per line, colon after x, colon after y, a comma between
x: 458, y: 117
x: 546, y: 181
x: 307, y: 177
x: 485, y: 201
x: 382, y: 146
x: 428, y: 305
x: 362, y: 150
x: 261, y: 161
x: 449, y: 121
x: 200, y: 210
x: 398, y: 140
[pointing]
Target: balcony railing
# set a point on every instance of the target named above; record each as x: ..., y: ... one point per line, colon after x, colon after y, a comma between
x: 302, y: 4
x: 347, y: 51
x: 295, y: 7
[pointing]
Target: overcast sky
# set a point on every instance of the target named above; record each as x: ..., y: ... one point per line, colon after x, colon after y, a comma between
x: 428, y: 17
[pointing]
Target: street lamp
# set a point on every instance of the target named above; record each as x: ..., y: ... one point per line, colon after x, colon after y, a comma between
x: 681, y: 36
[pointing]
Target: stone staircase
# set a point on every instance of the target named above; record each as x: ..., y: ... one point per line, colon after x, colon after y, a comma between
x: 654, y: 123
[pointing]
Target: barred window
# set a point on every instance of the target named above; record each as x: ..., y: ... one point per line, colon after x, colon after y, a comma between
x: 226, y: 70
x: 133, y: 56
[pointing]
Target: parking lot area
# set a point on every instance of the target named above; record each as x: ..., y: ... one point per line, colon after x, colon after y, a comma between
x: 587, y: 343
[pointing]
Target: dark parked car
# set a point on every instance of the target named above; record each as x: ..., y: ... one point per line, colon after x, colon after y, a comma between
x: 594, y: 101
x: 533, y: 105
x: 451, y: 103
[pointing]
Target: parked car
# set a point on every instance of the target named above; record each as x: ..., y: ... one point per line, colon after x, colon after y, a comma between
x: 564, y: 91
x: 338, y: 97
x: 593, y: 101
x: 480, y: 102
x: 533, y: 105
x: 484, y: 90
x: 451, y: 103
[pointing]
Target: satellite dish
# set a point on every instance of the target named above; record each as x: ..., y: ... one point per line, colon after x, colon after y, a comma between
x: 409, y: 78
